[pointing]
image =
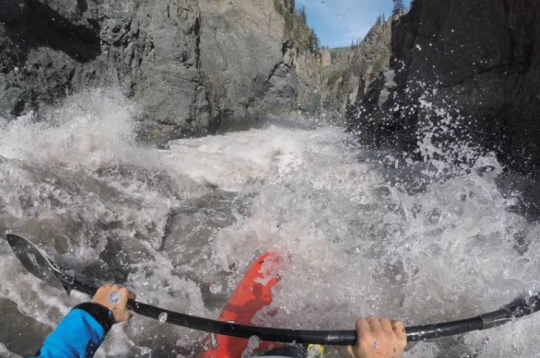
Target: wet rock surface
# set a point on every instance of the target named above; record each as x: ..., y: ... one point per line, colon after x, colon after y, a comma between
x: 191, y: 65
x: 350, y: 72
x: 470, y: 67
x: 20, y: 333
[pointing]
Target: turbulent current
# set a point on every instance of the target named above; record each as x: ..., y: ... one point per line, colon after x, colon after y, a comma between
x: 363, y: 232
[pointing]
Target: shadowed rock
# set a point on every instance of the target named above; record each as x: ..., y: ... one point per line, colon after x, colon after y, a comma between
x: 192, y: 65
x: 468, y: 67
x: 20, y: 334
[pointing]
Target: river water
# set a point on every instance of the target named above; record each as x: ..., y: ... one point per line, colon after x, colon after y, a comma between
x: 364, y: 232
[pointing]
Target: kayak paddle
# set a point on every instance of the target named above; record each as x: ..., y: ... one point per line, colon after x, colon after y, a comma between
x: 38, y: 264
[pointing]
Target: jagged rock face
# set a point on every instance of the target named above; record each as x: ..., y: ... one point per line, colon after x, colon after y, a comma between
x: 148, y: 47
x: 373, y: 55
x: 250, y: 64
x: 188, y: 63
x: 244, y: 60
x: 472, y: 64
x: 356, y: 69
x: 308, y: 78
x: 40, y: 44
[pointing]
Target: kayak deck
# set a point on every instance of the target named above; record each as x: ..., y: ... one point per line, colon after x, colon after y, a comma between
x: 251, y: 295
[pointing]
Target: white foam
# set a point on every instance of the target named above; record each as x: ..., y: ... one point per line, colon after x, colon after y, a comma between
x: 358, y: 242
x: 6, y: 353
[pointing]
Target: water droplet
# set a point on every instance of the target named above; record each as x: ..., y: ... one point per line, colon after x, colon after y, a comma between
x: 216, y: 288
x: 253, y: 343
x: 162, y: 317
x: 146, y: 351
x: 114, y: 298
x: 33, y: 259
x: 315, y: 351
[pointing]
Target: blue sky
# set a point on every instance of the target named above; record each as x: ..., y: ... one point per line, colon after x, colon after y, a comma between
x: 357, y: 17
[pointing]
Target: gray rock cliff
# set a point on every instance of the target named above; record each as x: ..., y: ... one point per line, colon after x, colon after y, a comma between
x: 253, y: 59
x: 351, y: 71
x: 149, y: 48
x: 468, y: 71
x: 189, y: 64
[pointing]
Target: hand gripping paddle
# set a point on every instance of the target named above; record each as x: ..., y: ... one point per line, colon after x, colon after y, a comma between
x: 38, y: 264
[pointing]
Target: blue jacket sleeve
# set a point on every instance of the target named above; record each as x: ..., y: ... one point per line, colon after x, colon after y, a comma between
x: 80, y: 333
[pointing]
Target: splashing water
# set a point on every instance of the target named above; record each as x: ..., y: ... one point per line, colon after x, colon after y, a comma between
x: 114, y: 298
x: 175, y: 225
x: 162, y: 317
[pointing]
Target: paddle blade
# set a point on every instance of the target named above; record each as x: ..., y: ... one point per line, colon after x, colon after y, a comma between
x: 34, y: 260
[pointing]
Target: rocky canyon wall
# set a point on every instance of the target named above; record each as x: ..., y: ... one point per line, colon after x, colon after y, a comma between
x: 190, y: 65
x: 466, y: 71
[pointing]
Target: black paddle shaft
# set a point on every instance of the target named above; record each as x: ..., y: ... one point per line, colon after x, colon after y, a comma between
x: 41, y: 266
x: 339, y: 338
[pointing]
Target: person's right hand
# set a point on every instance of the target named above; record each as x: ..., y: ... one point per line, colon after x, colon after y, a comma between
x: 378, y: 339
x: 119, y: 310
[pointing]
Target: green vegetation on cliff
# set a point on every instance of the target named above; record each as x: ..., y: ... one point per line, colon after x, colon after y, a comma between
x: 296, y: 25
x: 347, y: 72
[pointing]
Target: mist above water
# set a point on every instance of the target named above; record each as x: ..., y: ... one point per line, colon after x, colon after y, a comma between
x: 364, y: 232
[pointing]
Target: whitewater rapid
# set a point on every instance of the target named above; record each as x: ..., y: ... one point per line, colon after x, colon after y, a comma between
x: 364, y: 232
